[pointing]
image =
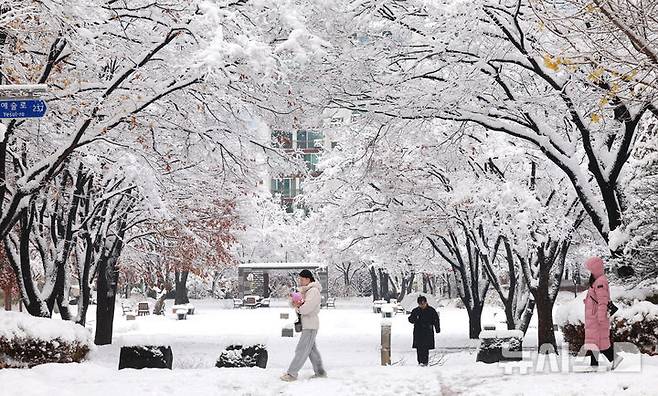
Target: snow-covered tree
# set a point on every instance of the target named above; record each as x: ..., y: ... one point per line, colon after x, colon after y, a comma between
x: 488, y: 64
x: 639, y: 233
x: 617, y: 37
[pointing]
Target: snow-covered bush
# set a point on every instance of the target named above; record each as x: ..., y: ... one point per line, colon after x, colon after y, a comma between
x: 237, y: 356
x: 198, y: 287
x: 493, y: 344
x: 27, y: 341
x: 146, y: 356
x: 635, y: 322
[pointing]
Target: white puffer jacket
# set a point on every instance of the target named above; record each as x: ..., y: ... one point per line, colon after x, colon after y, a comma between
x: 311, y: 307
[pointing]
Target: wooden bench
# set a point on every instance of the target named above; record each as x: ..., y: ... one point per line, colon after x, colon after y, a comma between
x: 331, y: 302
x: 126, y: 307
x: 237, y: 303
x: 143, y: 309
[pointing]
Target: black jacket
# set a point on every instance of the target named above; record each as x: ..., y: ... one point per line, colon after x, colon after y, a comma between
x: 425, y: 322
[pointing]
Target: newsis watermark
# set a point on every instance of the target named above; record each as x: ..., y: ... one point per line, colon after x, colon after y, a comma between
x: 545, y: 360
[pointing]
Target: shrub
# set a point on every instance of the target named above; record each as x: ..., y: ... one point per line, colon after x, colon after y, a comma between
x: 637, y: 324
x: 27, y: 341
x: 237, y: 356
x: 146, y: 356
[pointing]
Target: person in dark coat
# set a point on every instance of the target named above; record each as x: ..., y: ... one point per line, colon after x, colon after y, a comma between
x: 425, y: 320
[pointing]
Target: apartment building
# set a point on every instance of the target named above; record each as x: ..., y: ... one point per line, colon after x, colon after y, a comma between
x: 306, y: 144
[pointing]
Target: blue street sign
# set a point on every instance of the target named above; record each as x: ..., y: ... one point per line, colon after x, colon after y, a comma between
x: 22, y: 108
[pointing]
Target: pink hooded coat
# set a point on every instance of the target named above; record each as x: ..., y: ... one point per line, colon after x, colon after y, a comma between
x: 597, y: 324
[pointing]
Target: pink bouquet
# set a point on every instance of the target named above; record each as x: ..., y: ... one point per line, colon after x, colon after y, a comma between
x: 296, y: 297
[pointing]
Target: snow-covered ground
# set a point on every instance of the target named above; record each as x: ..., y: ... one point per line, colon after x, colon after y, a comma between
x: 348, y: 340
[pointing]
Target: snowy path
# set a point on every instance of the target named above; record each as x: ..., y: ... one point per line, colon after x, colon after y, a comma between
x: 348, y: 341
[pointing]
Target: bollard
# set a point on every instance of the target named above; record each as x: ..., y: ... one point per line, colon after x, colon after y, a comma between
x: 386, y: 343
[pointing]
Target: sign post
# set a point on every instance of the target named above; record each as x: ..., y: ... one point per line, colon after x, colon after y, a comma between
x: 22, y: 101
x: 22, y: 108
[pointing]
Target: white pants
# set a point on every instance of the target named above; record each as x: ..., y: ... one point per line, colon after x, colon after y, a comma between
x: 306, y: 348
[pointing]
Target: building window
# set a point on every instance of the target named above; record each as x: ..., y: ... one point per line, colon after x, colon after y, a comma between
x: 309, y: 139
x: 286, y: 187
x: 311, y: 161
x: 282, y: 139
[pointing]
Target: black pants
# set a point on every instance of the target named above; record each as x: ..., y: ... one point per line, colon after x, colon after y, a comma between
x: 423, y: 355
x: 594, y: 356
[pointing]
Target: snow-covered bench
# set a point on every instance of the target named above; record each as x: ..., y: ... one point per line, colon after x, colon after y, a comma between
x: 387, y: 310
x: 187, y: 307
x: 128, y: 310
x: 331, y: 302
x: 377, y: 306
x: 237, y: 303
x: 181, y: 313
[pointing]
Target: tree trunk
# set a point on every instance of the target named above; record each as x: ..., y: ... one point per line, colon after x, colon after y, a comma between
x: 83, y: 301
x: 181, y: 287
x: 21, y: 265
x: 7, y: 299
x: 545, y: 332
x: 63, y: 307
x: 106, y: 286
x: 105, y: 304
x: 509, y: 315
x: 373, y: 281
x: 159, y: 304
x: 85, y: 281
x: 383, y: 284
x: 474, y: 322
x: 393, y: 288
x: 213, y: 287
x: 58, y: 290
x: 62, y: 295
x: 524, y: 321
x: 410, y: 284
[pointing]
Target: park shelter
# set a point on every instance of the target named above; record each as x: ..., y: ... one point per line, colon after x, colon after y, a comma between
x: 254, y: 278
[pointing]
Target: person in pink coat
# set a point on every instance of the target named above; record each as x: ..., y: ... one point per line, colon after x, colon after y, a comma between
x: 597, y: 322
